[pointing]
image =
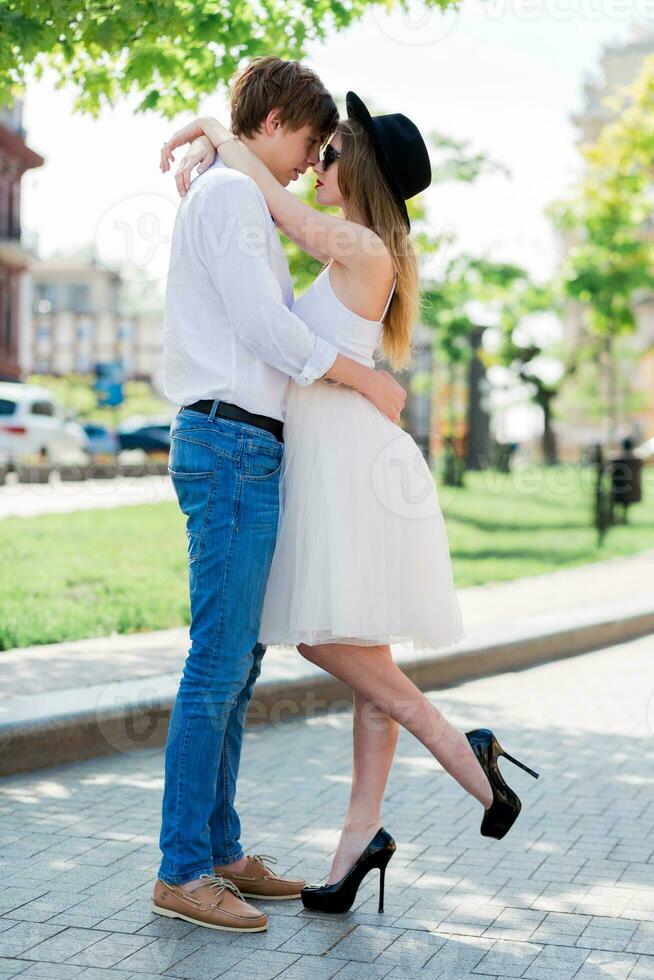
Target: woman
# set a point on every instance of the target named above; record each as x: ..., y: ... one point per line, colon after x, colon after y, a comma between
x: 362, y: 558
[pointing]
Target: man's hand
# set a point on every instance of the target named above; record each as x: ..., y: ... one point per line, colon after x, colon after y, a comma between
x: 379, y: 387
x: 386, y: 394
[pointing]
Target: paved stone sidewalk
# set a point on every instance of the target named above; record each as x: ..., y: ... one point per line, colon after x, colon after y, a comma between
x: 568, y: 893
x: 61, y: 666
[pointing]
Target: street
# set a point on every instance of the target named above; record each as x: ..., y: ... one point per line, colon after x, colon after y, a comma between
x: 569, y: 892
x: 59, y: 497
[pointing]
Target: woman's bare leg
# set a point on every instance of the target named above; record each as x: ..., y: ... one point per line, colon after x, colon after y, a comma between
x: 374, y: 738
x: 372, y: 673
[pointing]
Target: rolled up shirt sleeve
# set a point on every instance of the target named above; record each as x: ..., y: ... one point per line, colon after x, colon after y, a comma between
x: 234, y: 245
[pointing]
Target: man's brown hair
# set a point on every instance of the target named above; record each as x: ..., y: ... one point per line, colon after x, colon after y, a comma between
x: 268, y: 82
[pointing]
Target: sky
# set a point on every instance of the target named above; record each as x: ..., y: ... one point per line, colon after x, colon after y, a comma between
x: 504, y: 76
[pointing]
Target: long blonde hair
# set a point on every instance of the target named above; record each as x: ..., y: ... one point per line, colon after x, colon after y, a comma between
x: 366, y: 191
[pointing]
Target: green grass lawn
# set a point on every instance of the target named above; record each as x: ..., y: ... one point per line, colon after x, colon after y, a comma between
x: 91, y: 573
x: 507, y: 525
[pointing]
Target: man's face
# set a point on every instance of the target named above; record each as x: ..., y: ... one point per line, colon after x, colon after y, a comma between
x: 288, y: 153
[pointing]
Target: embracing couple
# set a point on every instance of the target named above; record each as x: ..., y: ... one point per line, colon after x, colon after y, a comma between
x: 312, y: 518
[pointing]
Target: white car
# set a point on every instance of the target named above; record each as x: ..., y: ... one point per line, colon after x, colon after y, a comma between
x: 34, y: 426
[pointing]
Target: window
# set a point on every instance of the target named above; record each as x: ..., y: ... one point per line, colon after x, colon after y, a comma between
x: 82, y: 363
x: 46, y: 298
x: 14, y: 211
x: 7, y: 407
x: 12, y: 225
x: 9, y: 315
x: 79, y: 297
x: 43, y: 408
x: 5, y: 204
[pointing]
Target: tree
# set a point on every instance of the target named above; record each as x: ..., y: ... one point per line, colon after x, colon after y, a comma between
x: 506, y: 290
x: 174, y: 52
x: 610, y: 262
x: 447, y: 306
x: 518, y: 302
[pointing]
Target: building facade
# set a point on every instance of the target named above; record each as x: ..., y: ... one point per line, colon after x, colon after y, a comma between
x: 15, y: 159
x: 77, y: 320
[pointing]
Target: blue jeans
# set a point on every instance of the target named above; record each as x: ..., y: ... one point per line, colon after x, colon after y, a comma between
x: 226, y: 478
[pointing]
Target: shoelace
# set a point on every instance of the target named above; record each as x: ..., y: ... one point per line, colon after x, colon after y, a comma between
x: 219, y: 884
x: 264, y: 859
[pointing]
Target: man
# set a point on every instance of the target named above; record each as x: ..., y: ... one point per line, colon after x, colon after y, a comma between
x: 231, y: 347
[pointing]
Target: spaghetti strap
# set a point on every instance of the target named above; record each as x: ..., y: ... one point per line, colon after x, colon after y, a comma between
x: 388, y: 302
x: 325, y: 269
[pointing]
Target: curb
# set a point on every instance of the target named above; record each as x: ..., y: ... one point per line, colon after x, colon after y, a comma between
x: 49, y: 729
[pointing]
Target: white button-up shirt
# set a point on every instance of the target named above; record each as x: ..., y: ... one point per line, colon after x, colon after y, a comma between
x: 229, y: 332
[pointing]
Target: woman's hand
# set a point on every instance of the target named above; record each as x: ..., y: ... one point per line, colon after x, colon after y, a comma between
x: 201, y: 154
x: 204, y: 133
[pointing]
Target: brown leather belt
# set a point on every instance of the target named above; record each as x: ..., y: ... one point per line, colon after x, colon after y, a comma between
x: 228, y: 411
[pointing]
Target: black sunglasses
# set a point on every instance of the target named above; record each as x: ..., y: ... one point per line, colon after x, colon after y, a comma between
x: 329, y: 154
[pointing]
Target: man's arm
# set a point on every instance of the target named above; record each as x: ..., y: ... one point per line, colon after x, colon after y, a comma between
x: 233, y: 224
x: 379, y: 387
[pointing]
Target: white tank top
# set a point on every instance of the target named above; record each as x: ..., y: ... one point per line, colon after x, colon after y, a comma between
x: 325, y: 314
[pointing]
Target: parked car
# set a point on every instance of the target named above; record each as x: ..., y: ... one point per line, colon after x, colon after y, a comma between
x: 151, y: 435
x: 34, y: 425
x: 100, y: 441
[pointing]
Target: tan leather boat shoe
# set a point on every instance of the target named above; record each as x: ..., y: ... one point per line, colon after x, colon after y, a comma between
x: 214, y: 903
x: 256, y: 880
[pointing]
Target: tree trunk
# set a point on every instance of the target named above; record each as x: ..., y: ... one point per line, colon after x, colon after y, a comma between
x: 550, y: 454
x: 612, y: 393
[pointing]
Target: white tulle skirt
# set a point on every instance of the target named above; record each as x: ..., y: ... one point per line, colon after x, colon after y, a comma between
x: 361, y: 554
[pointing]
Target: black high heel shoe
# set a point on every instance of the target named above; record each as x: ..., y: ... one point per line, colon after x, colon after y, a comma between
x: 339, y: 896
x: 502, y: 814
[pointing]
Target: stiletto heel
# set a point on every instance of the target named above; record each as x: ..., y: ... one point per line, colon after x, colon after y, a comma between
x: 339, y: 896
x: 503, y: 812
x: 521, y: 764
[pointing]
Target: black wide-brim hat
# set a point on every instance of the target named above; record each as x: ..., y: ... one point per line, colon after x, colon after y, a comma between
x: 399, y: 148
